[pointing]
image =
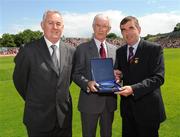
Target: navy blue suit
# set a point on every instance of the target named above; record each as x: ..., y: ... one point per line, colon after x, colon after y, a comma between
x: 145, y: 74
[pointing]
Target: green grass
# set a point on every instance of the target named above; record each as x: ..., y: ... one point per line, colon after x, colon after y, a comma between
x: 11, y: 104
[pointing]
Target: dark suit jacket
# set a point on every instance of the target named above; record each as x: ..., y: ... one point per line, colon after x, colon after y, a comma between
x: 145, y: 74
x: 45, y: 92
x: 91, y: 102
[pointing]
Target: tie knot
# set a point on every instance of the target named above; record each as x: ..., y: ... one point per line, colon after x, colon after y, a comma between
x: 54, y: 47
x: 102, y: 45
x: 131, y: 49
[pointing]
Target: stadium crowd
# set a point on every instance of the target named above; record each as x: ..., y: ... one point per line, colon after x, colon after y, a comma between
x: 169, y: 42
x: 8, y: 51
x: 164, y: 42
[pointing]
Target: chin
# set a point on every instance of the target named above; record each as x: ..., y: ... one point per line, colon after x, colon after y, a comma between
x: 130, y: 42
x: 101, y: 38
x: 54, y: 40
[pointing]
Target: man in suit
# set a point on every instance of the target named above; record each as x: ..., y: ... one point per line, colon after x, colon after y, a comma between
x: 93, y: 105
x: 42, y: 78
x: 142, y: 66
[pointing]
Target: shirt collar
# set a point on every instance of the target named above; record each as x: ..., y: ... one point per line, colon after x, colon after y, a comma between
x: 98, y: 43
x: 135, y: 45
x: 50, y: 43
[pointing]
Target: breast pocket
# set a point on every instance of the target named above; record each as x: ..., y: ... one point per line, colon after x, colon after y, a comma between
x: 44, y: 71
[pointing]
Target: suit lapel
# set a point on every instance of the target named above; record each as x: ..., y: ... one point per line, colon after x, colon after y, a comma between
x: 137, y: 56
x: 139, y: 48
x: 138, y: 51
x: 63, y: 52
x: 44, y: 52
x: 109, y: 51
x: 124, y: 54
x: 93, y: 50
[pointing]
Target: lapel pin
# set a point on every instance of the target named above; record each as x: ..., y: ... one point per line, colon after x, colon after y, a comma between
x: 136, y: 60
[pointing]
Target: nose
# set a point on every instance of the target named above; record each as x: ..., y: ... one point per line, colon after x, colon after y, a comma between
x: 126, y: 31
x: 101, y: 29
x: 54, y: 26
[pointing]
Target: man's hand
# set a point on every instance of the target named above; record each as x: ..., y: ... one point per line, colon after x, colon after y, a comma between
x: 125, y: 91
x: 118, y: 75
x: 92, y: 86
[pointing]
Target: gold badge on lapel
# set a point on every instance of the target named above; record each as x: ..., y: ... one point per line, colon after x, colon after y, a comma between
x: 136, y: 60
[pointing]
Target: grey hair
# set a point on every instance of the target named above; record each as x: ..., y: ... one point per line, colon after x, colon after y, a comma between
x: 50, y: 11
x: 101, y: 16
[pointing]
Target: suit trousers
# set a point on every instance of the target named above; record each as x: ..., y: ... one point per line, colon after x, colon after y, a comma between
x: 65, y: 131
x: 130, y: 128
x: 89, y: 123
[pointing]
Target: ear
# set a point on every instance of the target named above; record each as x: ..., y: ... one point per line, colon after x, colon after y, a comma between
x: 42, y: 25
x: 139, y: 29
x: 63, y: 27
x: 93, y: 26
x: 109, y: 28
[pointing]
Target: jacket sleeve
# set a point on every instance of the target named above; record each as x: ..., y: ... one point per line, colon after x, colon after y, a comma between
x: 21, y: 72
x: 156, y: 76
x: 79, y: 70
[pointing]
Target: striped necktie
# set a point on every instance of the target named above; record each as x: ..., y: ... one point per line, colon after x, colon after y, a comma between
x: 131, y: 54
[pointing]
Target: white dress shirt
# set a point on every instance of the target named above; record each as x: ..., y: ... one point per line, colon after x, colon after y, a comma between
x: 134, y: 48
x: 98, y: 44
x: 50, y: 49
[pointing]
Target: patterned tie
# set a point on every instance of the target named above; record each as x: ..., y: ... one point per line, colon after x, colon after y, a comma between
x: 102, y: 51
x: 54, y: 56
x: 131, y: 54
